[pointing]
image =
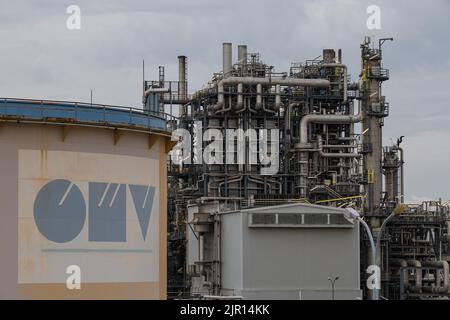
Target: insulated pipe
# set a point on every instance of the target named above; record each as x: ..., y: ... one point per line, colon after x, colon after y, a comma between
x: 278, y: 97
x: 444, y: 265
x: 240, y: 97
x: 153, y: 90
x: 319, y: 118
x: 258, y: 96
x: 344, y: 68
x: 416, y: 264
x: 402, y: 264
x: 289, y: 82
x: 227, y: 59
x: 292, y: 82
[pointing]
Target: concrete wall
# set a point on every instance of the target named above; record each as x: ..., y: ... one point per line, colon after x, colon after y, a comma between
x: 124, y: 257
x: 290, y: 263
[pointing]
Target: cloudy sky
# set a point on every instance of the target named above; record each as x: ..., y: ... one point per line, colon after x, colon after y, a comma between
x: 41, y: 58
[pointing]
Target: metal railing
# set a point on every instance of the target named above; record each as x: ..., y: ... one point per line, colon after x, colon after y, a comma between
x: 79, y: 112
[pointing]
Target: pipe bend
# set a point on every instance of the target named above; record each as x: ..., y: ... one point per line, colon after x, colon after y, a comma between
x: 320, y: 118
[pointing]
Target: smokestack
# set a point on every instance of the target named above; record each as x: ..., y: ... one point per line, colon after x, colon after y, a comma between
x: 227, y: 59
x: 242, y: 54
x: 329, y: 55
x: 182, y: 84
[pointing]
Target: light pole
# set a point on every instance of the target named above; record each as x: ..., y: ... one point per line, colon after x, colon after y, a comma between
x: 355, y: 215
x: 333, y: 281
x: 399, y: 209
x: 375, y: 257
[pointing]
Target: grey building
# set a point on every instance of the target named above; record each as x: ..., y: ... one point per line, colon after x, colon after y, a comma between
x: 279, y: 252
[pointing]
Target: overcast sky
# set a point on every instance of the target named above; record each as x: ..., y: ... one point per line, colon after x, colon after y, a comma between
x: 40, y: 58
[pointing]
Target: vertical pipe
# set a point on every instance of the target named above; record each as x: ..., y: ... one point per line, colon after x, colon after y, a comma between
x: 242, y: 54
x: 402, y: 176
x: 227, y: 59
x: 182, y: 77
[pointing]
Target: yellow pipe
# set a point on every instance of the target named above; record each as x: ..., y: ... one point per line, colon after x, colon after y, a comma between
x: 339, y: 199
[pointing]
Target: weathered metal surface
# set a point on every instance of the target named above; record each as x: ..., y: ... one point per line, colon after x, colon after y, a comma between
x: 83, y: 201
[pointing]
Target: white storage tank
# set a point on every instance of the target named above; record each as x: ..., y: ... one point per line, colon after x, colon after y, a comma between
x: 83, y: 201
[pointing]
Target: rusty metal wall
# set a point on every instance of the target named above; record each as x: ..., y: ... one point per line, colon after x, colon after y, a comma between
x: 86, y: 197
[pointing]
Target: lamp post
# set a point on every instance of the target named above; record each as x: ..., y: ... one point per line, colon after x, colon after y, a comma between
x: 355, y: 215
x: 333, y: 281
x: 399, y: 209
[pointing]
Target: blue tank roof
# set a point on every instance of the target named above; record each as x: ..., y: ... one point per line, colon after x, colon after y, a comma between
x: 83, y: 113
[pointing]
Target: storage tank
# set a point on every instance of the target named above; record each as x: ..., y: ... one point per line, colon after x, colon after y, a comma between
x: 83, y: 201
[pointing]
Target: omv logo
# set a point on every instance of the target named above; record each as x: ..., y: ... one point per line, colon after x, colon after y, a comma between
x: 60, y: 210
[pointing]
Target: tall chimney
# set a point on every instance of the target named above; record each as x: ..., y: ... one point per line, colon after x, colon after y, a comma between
x: 242, y: 54
x: 227, y: 59
x: 182, y: 84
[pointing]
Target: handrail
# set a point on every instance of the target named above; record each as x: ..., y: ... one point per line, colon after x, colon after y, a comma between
x: 134, y: 116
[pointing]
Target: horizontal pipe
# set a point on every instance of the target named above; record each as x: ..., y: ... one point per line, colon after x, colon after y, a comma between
x: 291, y: 82
x: 334, y: 155
x: 153, y: 90
x: 320, y: 118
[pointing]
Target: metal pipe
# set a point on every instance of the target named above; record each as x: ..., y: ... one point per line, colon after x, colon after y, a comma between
x: 339, y: 155
x: 153, y: 90
x: 289, y: 82
x: 292, y: 82
x: 416, y: 264
x: 240, y: 97
x: 227, y: 59
x: 319, y: 118
x: 446, y: 281
x: 334, y: 155
x: 278, y: 97
x: 402, y: 176
x: 344, y: 68
x: 402, y: 264
x: 182, y: 90
x: 258, y: 96
x: 229, y: 181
